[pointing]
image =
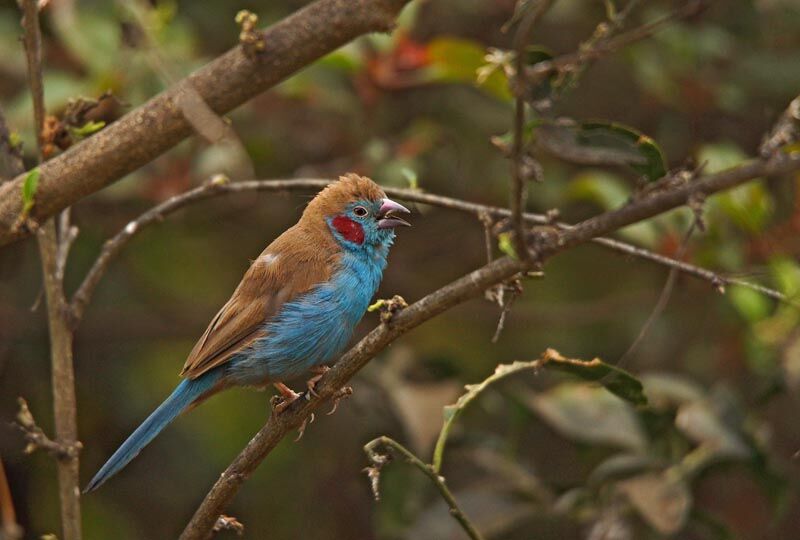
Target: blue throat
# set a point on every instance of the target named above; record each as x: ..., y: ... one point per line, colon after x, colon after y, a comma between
x: 313, y: 329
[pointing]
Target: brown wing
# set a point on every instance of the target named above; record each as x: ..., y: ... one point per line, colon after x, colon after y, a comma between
x: 288, y: 267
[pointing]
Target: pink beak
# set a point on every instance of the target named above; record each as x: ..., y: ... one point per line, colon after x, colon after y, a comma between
x: 386, y: 215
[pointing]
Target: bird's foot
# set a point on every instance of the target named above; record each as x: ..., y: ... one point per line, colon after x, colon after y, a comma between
x: 302, y: 429
x: 287, y: 397
x: 341, y: 393
x: 311, y: 383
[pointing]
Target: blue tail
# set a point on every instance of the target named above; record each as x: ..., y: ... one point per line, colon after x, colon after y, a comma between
x: 181, y: 398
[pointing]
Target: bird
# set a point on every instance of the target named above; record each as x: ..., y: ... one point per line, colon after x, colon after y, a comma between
x: 294, y: 310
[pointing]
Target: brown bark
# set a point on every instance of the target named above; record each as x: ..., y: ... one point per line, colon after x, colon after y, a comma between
x: 225, y: 83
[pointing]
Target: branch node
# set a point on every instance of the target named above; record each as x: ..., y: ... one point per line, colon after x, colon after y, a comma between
x: 229, y: 523
x: 37, y: 440
x: 388, y: 308
x: 252, y: 40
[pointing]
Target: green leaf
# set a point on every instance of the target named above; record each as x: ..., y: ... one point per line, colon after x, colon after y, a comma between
x: 617, y: 381
x: 458, y: 60
x: 87, y: 129
x: 29, y: 187
x: 603, y: 143
x: 613, y: 135
x: 590, y: 414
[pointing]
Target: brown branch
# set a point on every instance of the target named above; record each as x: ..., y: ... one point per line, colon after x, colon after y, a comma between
x: 469, y: 286
x: 378, y: 460
x: 225, y: 83
x: 53, y: 250
x: 219, y: 186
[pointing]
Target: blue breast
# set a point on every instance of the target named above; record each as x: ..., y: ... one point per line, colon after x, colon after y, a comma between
x: 314, y: 328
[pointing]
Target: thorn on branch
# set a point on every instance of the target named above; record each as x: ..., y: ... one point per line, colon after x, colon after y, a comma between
x: 37, y: 440
x: 229, y: 523
x: 251, y: 39
x: 388, y: 308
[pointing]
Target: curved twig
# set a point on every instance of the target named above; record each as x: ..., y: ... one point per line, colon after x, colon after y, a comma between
x: 214, y: 188
x: 378, y: 460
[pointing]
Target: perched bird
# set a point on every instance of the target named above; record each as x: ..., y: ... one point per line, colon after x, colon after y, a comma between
x: 294, y: 310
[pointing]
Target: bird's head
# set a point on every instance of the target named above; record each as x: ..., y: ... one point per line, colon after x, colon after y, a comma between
x: 357, y: 212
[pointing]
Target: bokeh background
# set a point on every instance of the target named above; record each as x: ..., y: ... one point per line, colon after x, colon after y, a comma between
x: 722, y: 371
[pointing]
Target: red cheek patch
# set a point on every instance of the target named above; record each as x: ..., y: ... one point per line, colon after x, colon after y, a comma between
x: 349, y: 229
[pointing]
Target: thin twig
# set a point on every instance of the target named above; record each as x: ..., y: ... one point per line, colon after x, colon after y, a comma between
x: 53, y: 253
x: 519, y: 177
x: 663, y: 298
x: 157, y: 214
x: 469, y: 286
x: 378, y: 460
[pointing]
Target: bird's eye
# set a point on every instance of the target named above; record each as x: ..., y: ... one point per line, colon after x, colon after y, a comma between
x: 360, y: 211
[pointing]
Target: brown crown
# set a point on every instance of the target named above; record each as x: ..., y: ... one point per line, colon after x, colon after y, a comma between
x: 337, y: 195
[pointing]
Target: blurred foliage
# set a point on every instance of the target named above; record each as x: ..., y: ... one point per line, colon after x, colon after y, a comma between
x: 552, y: 456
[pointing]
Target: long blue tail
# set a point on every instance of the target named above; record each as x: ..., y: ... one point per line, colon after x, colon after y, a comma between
x: 181, y: 398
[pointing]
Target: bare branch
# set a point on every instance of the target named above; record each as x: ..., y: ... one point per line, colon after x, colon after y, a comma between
x: 37, y: 440
x: 53, y: 253
x: 225, y: 83
x: 469, y: 286
x: 378, y: 460
x: 219, y: 186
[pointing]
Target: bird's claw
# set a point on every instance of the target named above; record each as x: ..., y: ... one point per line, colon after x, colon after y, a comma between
x: 287, y: 397
x: 311, y: 383
x: 302, y: 429
x: 340, y: 394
